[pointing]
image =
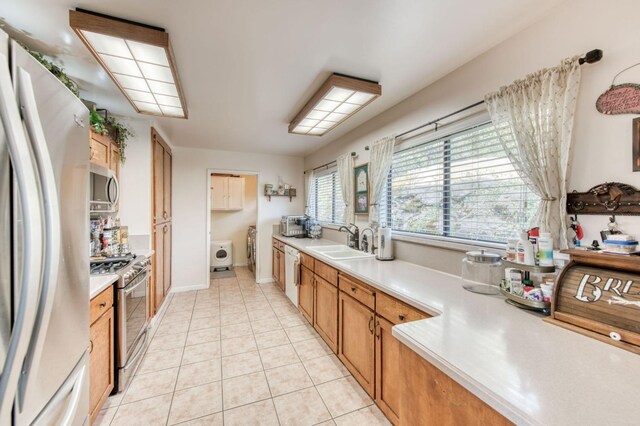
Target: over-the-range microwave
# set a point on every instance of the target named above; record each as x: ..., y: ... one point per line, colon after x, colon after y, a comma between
x: 104, y: 190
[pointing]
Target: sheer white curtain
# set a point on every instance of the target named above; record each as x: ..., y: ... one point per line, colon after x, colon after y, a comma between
x: 539, y: 112
x: 379, y: 166
x: 345, y: 171
x: 308, y: 192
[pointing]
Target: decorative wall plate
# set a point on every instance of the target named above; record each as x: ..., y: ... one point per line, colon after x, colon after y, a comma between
x: 620, y: 99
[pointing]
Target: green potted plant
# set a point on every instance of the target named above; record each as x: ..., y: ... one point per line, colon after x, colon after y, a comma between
x: 97, y: 122
x: 120, y: 134
x: 56, y: 70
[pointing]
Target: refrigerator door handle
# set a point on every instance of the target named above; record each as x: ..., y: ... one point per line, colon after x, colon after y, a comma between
x: 28, y: 193
x: 52, y: 234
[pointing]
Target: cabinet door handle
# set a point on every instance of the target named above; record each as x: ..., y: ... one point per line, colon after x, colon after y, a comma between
x: 165, y: 229
x: 353, y: 289
x: 164, y: 215
x: 91, y: 153
x: 401, y: 317
x: 103, y: 304
x: 371, y: 324
x: 378, y: 329
x: 90, y: 346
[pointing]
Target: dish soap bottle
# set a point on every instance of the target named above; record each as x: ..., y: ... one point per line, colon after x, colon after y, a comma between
x: 545, y: 249
x: 525, y: 250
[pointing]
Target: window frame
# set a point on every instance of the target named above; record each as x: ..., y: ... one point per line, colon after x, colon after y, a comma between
x: 444, y: 133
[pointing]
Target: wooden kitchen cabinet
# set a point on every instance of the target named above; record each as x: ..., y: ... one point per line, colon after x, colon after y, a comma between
x: 275, y: 265
x: 356, y: 342
x: 100, y: 150
x: 161, y: 218
x: 305, y: 293
x: 326, y: 312
x: 388, y: 371
x: 433, y: 398
x: 101, y: 351
x: 227, y: 193
x: 281, y: 273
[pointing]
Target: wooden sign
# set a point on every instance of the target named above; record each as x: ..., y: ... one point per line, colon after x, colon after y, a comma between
x: 620, y: 99
x: 599, y: 295
x: 606, y: 199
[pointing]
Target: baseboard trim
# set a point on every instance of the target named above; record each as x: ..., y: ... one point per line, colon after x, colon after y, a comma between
x: 265, y: 280
x: 182, y: 289
x: 240, y: 264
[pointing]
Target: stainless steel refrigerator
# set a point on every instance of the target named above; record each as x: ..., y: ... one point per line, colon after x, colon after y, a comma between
x: 44, y: 265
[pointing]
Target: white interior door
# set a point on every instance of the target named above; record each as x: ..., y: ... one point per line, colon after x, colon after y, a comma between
x: 235, y: 198
x: 219, y: 191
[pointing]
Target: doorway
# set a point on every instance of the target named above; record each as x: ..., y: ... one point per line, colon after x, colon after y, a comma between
x: 232, y: 221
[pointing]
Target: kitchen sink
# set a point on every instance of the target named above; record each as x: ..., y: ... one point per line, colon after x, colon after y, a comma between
x: 339, y: 252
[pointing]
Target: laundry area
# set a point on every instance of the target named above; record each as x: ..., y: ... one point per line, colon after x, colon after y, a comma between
x: 233, y: 211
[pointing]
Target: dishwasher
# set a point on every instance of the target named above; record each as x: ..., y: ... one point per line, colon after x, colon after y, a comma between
x: 292, y: 273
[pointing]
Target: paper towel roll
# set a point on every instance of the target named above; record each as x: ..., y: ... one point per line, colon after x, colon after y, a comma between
x: 385, y: 246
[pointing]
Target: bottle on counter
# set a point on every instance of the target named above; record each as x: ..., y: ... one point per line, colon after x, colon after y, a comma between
x: 512, y: 249
x: 525, y: 250
x: 545, y: 249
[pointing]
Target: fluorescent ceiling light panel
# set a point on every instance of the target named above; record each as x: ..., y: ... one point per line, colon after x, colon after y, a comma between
x: 338, y: 98
x: 138, y: 58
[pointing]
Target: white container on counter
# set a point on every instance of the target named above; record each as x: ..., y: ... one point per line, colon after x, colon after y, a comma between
x: 482, y: 272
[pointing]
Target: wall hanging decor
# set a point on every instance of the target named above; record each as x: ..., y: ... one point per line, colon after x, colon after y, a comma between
x: 620, y: 98
x: 635, y: 156
x: 361, y: 188
x: 606, y: 198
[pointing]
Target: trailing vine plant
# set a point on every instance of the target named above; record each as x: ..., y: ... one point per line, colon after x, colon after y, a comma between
x: 120, y: 135
x: 56, y: 70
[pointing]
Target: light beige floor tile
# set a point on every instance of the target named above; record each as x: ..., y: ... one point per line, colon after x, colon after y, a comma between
x: 312, y: 348
x: 262, y: 413
x: 211, y: 311
x: 173, y: 327
x: 201, y: 352
x: 206, y: 322
x: 370, y: 415
x: 343, y: 396
x: 244, y: 390
x: 113, y: 400
x: 169, y: 341
x: 234, y: 319
x: 105, y: 416
x: 238, y: 365
x: 233, y: 309
x: 304, y: 407
x: 160, y: 360
x: 212, y: 420
x: 196, y: 402
x: 278, y: 356
x: 260, y: 311
x: 148, y: 412
x: 195, y: 337
x: 292, y: 321
x: 235, y: 330
x: 288, y: 379
x: 264, y: 325
x: 176, y: 316
x: 238, y: 345
x: 325, y: 368
x: 271, y: 339
x: 199, y: 373
x: 300, y: 333
x: 327, y: 423
x: 150, y: 384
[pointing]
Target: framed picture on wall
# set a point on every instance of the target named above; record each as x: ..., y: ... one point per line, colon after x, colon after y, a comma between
x: 361, y: 189
x: 636, y: 145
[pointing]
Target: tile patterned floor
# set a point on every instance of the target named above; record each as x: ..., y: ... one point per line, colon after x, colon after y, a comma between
x: 239, y: 353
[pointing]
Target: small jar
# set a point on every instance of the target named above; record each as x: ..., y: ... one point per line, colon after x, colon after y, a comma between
x: 512, y: 250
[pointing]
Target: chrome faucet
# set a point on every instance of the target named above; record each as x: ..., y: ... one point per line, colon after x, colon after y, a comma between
x: 365, y: 244
x: 353, y: 239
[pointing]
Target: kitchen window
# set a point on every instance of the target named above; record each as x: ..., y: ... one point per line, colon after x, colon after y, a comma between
x: 328, y: 205
x: 458, y: 187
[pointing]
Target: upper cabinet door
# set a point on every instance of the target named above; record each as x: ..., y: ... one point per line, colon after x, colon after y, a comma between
x: 166, y: 214
x: 219, y: 191
x: 100, y: 150
x: 235, y: 196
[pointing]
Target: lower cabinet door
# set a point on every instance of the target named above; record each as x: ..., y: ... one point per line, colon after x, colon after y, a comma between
x: 101, y: 361
x: 305, y: 294
x: 326, y: 312
x: 356, y: 343
x: 275, y: 265
x: 388, y: 381
x: 282, y: 274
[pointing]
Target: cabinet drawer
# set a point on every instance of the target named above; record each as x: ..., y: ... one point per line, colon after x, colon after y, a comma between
x: 396, y: 311
x: 359, y: 291
x: 100, y: 304
x: 275, y: 243
x: 327, y: 272
x: 307, y: 261
x: 281, y: 245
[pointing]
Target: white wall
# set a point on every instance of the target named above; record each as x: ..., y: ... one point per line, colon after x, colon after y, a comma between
x: 190, y: 215
x: 602, y: 147
x: 233, y: 225
x: 135, y: 183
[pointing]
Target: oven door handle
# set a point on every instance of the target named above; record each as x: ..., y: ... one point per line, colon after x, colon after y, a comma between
x: 144, y: 336
x: 143, y: 280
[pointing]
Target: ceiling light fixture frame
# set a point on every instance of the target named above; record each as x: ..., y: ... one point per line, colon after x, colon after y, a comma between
x: 83, y: 20
x: 341, y: 81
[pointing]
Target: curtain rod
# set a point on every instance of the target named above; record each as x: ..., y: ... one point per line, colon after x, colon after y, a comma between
x: 353, y: 154
x: 590, y: 57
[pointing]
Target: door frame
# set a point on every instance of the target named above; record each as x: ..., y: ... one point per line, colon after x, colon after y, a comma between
x: 210, y: 171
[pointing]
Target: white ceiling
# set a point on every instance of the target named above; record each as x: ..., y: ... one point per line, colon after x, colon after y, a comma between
x: 248, y: 66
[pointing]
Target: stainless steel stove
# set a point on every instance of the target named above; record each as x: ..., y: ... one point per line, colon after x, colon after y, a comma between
x: 110, y: 265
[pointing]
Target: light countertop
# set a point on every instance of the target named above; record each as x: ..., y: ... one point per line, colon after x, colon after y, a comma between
x: 97, y: 283
x: 530, y: 371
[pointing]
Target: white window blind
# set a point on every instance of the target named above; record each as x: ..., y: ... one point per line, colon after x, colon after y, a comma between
x: 461, y: 186
x: 328, y: 204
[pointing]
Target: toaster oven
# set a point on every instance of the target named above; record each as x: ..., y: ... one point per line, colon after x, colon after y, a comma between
x: 293, y: 226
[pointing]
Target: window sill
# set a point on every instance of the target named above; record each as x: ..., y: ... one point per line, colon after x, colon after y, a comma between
x: 446, y: 243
